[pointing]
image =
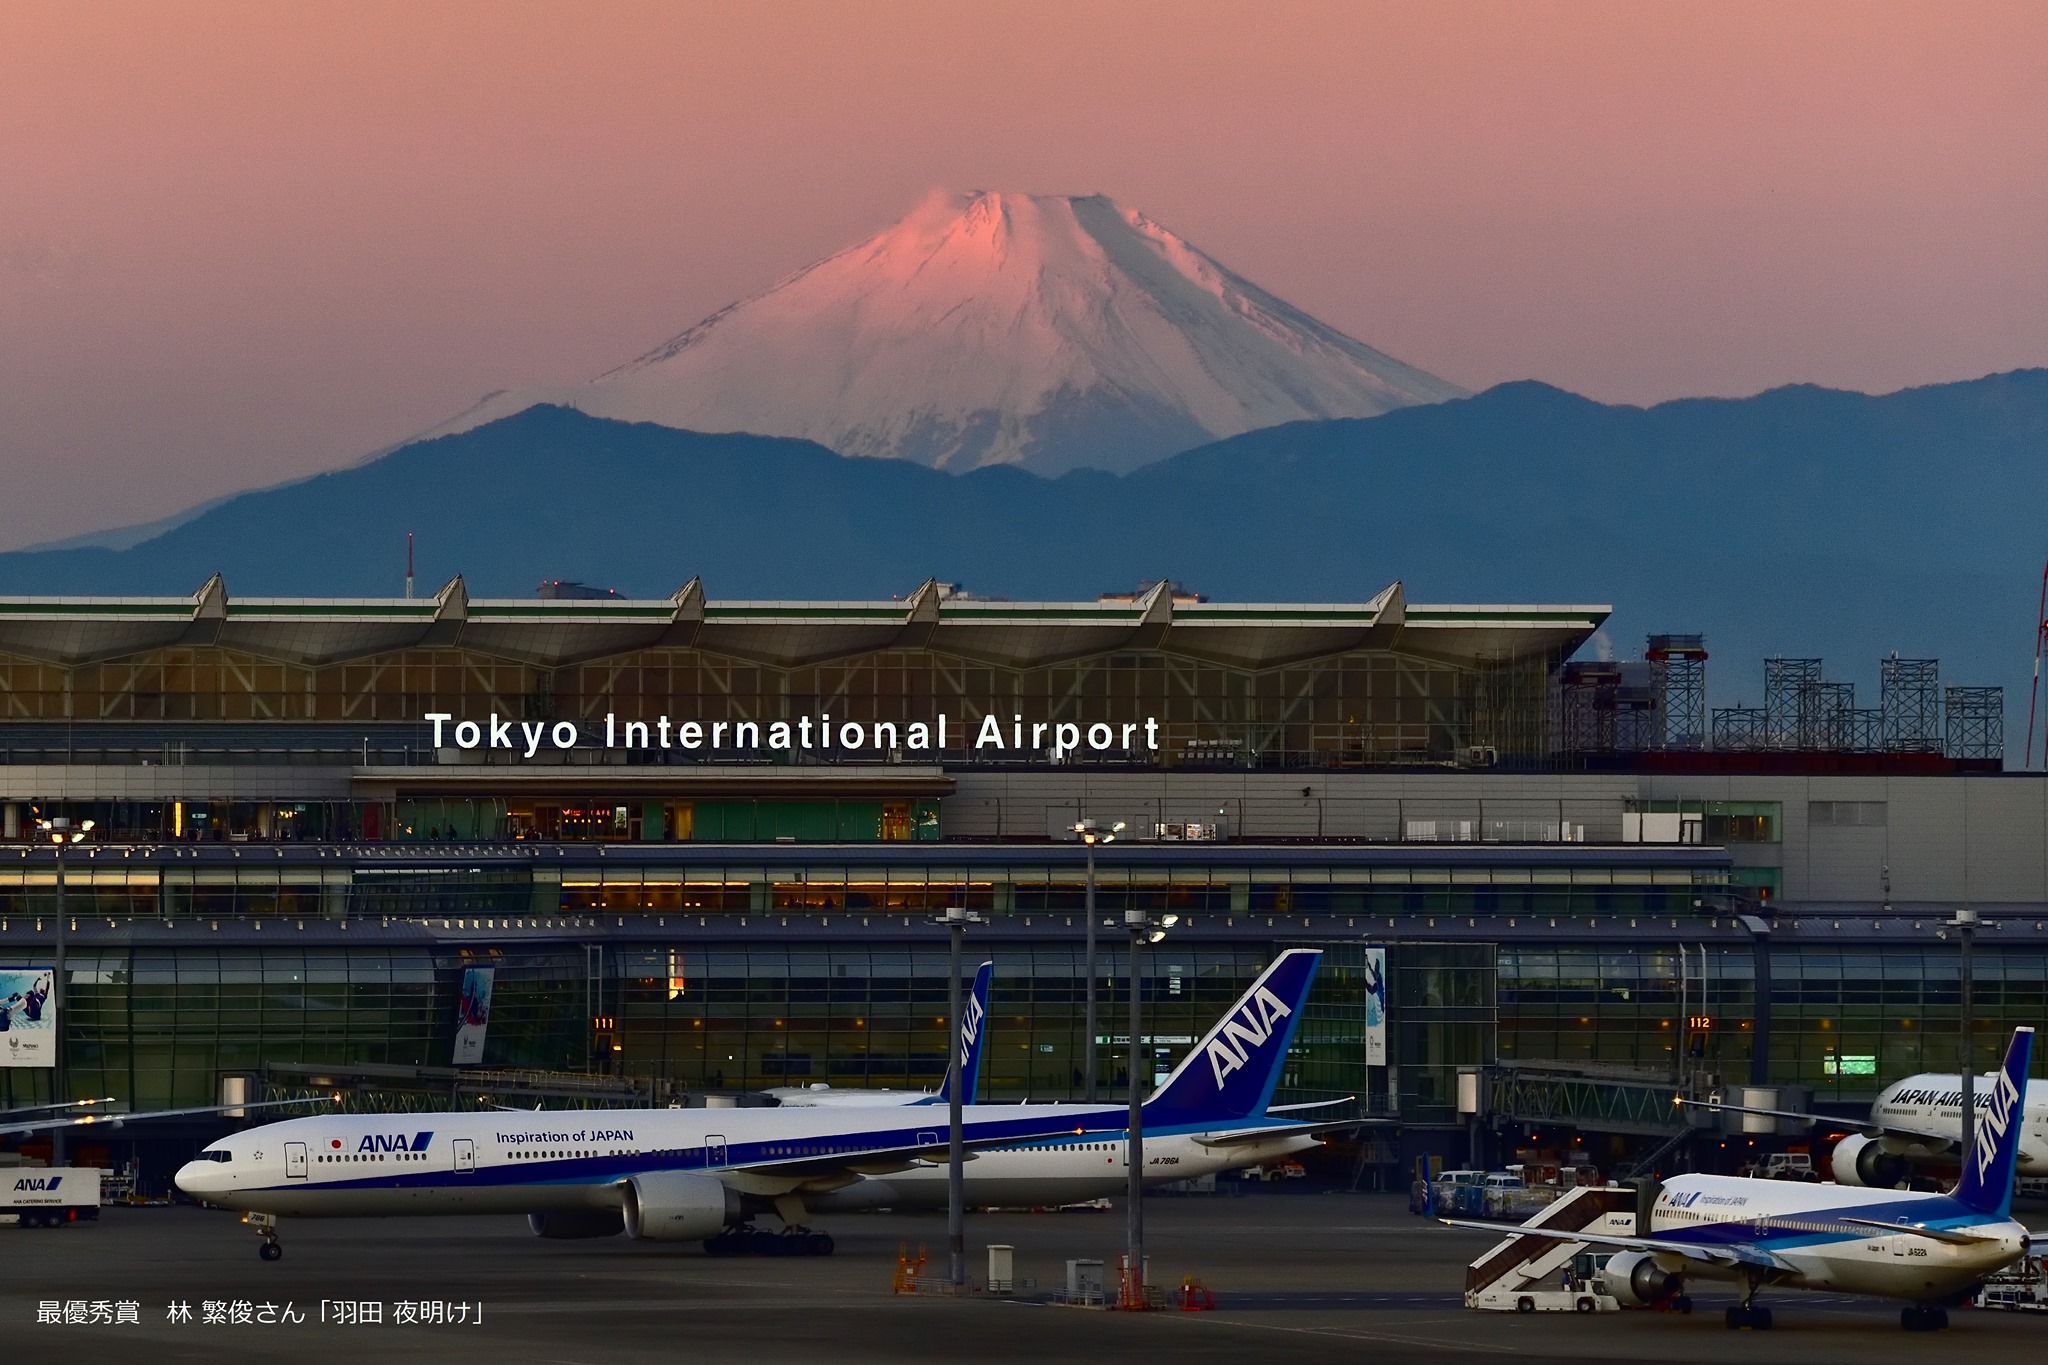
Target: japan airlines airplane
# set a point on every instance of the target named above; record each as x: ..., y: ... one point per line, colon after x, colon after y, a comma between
x: 1930, y: 1249
x: 1917, y: 1119
x: 967, y: 1056
x: 691, y: 1174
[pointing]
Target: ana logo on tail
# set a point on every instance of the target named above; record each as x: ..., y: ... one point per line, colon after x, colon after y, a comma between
x: 1243, y: 1031
x: 970, y: 1028
x: 2005, y: 1098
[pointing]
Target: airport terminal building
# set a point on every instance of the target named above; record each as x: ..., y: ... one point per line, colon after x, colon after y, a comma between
x: 703, y: 844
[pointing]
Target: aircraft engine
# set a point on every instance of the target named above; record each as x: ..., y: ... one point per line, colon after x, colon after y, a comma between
x: 1860, y: 1160
x: 1634, y: 1279
x: 563, y: 1225
x: 669, y: 1206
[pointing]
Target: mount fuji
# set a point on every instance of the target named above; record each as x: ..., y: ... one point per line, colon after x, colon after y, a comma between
x: 1045, y: 331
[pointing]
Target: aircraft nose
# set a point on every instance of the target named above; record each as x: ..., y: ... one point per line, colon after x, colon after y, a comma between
x: 197, y: 1177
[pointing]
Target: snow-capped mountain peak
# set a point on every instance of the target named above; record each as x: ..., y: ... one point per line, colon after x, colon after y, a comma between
x: 988, y: 328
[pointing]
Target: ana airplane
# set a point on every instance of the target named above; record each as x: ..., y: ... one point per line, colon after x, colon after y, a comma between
x: 973, y: 1014
x: 1929, y: 1249
x: 697, y: 1174
x: 1918, y: 1119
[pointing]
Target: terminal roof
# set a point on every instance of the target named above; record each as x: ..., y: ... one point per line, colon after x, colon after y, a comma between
x: 549, y: 633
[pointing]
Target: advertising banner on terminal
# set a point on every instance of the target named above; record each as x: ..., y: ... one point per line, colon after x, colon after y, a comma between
x: 473, y: 1014
x: 1375, y: 1006
x: 28, y: 1017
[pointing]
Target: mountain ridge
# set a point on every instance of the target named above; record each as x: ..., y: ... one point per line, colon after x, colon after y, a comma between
x: 1802, y: 521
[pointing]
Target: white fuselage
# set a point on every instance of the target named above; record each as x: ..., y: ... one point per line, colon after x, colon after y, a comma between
x: 825, y: 1097
x: 1810, y: 1229
x: 1933, y: 1104
x: 520, y: 1162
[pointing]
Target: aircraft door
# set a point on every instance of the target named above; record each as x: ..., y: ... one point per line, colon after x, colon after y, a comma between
x: 714, y: 1149
x: 465, y: 1154
x: 295, y: 1161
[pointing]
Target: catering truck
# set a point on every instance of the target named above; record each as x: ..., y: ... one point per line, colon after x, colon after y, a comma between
x: 49, y: 1196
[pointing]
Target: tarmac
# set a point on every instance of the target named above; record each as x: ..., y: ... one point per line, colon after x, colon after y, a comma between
x: 1299, y: 1275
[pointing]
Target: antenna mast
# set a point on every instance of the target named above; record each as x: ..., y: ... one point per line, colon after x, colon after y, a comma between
x: 408, y: 582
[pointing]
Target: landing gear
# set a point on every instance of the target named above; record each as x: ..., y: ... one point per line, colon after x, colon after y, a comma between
x: 1749, y: 1313
x: 753, y: 1241
x: 1923, y: 1318
x: 264, y: 1225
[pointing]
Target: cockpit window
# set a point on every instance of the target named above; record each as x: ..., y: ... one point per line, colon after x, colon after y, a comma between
x: 215, y: 1156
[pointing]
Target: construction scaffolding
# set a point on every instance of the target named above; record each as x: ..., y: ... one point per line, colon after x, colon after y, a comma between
x: 1976, y: 722
x: 1791, y: 697
x: 1678, y: 677
x: 1910, y: 697
x: 1740, y: 728
x: 1609, y: 707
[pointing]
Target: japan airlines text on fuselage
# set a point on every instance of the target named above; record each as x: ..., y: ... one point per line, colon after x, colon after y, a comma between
x: 1934, y: 1105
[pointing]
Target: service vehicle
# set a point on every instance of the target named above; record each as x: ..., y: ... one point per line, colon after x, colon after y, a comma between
x: 49, y: 1196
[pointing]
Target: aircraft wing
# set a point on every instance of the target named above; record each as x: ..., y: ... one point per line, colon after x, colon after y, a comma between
x: 1959, y: 1239
x: 1312, y: 1104
x: 874, y: 1161
x: 116, y: 1120
x: 1722, y: 1253
x: 1247, y: 1137
x: 1925, y: 1133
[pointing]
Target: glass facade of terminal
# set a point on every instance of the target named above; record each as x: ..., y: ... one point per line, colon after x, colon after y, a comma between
x: 716, y: 1007
x: 161, y: 1025
x: 120, y: 886
x: 1361, y: 706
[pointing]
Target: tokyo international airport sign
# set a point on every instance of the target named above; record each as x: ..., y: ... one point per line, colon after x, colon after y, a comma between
x: 1012, y: 737
x: 28, y: 1017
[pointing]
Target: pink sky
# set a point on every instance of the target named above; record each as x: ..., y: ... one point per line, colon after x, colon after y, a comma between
x: 243, y: 242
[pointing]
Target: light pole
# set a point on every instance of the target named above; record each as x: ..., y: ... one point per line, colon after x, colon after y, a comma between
x: 1091, y: 835
x: 1965, y: 925
x: 1143, y: 930
x: 61, y: 835
x: 956, y: 920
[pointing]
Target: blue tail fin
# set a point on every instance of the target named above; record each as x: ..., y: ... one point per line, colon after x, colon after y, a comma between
x: 1986, y: 1183
x: 973, y: 1032
x: 967, y: 1056
x: 1231, y: 1073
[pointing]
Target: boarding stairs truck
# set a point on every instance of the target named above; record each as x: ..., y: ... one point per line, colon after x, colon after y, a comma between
x: 1543, y: 1270
x: 49, y: 1196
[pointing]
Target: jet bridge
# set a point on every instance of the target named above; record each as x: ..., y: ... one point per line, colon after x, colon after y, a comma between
x: 1589, y: 1096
